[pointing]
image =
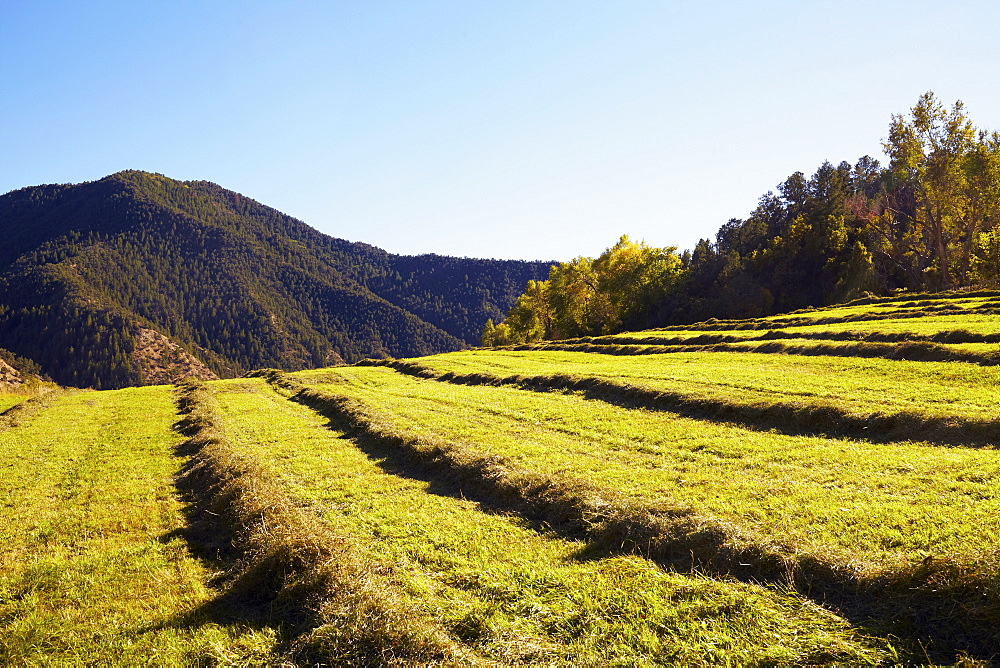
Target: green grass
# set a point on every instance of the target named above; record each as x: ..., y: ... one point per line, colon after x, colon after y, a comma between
x: 9, y: 400
x: 985, y: 354
x: 508, y: 591
x: 93, y: 565
x: 920, y: 328
x: 868, y: 506
x: 927, y: 325
x: 944, y: 390
x: 859, y: 311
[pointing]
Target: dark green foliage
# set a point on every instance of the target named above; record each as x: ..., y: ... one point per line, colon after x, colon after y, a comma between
x: 237, y: 284
x: 21, y: 364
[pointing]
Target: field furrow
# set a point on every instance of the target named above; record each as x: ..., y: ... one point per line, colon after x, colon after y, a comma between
x: 94, y: 566
x: 510, y: 592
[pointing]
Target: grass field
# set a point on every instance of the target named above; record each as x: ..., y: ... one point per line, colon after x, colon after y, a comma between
x: 844, y: 516
x: 94, y: 567
x: 859, y: 386
x: 961, y: 304
x: 508, y: 591
x: 852, y: 502
x: 8, y: 400
x: 926, y: 326
x: 814, y: 488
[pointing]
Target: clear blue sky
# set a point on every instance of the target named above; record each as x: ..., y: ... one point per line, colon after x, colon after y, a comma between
x: 484, y: 128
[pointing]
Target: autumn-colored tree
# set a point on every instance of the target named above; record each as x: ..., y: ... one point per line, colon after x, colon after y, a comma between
x: 950, y: 170
x: 586, y: 296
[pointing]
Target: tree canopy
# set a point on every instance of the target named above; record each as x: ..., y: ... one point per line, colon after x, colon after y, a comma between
x: 586, y: 296
x: 926, y: 221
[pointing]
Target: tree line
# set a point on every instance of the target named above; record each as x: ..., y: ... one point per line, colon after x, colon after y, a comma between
x: 926, y: 221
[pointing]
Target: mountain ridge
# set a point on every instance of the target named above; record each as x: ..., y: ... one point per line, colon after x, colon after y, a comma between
x: 232, y: 283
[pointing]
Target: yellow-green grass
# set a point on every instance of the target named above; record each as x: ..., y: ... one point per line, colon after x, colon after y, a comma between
x: 93, y: 565
x: 866, y: 506
x: 986, y: 299
x: 284, y: 566
x: 852, y: 312
x: 901, y: 304
x: 927, y: 325
x: 920, y: 328
x: 510, y: 592
x: 945, y: 390
x: 9, y: 400
x: 986, y: 354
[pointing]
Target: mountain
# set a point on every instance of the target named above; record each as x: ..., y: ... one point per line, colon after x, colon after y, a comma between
x: 138, y: 278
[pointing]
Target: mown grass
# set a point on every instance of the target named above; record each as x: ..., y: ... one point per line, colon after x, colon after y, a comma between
x: 939, y: 329
x: 512, y: 593
x: 94, y: 568
x: 823, y: 514
x: 17, y: 406
x: 987, y: 303
x: 860, y: 504
x: 944, y: 391
x: 8, y: 400
x: 282, y: 566
x: 934, y: 327
x: 985, y: 354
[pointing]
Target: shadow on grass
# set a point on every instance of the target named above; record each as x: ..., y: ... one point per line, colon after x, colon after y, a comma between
x: 282, y: 568
x: 786, y: 418
x: 926, y: 623
x: 244, y: 598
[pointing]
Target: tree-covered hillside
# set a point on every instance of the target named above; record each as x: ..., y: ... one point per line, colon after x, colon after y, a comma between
x: 927, y: 221
x: 100, y: 278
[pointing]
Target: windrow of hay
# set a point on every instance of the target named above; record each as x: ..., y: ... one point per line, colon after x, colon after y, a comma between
x: 16, y: 414
x: 944, y: 336
x: 955, y: 606
x: 788, y: 418
x: 334, y: 607
x: 914, y: 351
x: 818, y: 319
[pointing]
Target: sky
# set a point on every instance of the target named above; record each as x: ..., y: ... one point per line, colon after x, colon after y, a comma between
x: 518, y: 129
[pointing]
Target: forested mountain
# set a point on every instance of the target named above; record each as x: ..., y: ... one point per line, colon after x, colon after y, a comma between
x: 927, y: 221
x: 140, y: 278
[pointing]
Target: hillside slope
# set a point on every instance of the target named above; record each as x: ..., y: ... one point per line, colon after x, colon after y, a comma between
x: 138, y: 278
x: 814, y: 488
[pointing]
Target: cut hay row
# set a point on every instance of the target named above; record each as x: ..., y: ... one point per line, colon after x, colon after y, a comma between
x: 921, y: 351
x: 94, y: 565
x: 334, y: 606
x: 682, y: 537
x: 23, y: 410
x: 941, y: 390
x: 945, y: 336
x: 783, y: 322
x: 848, y: 501
x: 787, y: 418
x: 512, y: 592
x: 8, y: 401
